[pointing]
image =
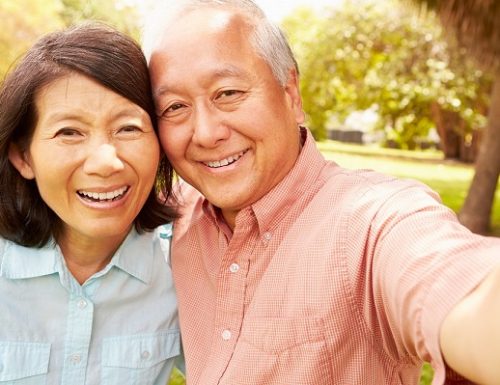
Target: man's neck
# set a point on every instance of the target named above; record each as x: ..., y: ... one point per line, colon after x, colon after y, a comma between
x: 229, y: 216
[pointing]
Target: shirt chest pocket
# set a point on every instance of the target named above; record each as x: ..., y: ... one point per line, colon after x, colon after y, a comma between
x: 24, y: 363
x: 280, y: 351
x: 139, y: 359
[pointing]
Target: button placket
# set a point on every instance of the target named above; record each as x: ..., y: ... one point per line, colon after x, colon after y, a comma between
x: 75, y: 358
x: 234, y: 268
x: 82, y: 304
x: 77, y: 341
x: 226, y: 335
x: 266, y: 237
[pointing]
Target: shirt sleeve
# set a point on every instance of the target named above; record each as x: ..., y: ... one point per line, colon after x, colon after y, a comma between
x: 420, y: 262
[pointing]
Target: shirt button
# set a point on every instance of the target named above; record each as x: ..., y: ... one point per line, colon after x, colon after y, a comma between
x: 234, y: 268
x: 82, y: 304
x: 267, y: 236
x: 226, y: 335
x: 75, y: 358
x: 145, y: 355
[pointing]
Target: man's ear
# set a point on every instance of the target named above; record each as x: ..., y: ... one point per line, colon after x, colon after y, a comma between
x: 293, y: 90
x: 19, y: 161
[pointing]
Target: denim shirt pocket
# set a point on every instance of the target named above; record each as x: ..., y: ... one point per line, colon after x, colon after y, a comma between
x: 138, y: 359
x: 24, y: 363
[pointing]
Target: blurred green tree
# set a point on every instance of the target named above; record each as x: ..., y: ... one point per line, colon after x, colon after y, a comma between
x: 20, y: 27
x: 476, y: 26
x: 380, y: 55
x: 119, y: 14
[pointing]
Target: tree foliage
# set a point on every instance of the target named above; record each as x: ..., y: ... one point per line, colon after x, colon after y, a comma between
x: 476, y: 26
x: 383, y: 56
x: 113, y: 12
x: 24, y: 21
x: 474, y: 23
x: 20, y: 28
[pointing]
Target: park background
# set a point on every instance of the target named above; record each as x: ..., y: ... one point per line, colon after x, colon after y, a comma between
x: 406, y: 87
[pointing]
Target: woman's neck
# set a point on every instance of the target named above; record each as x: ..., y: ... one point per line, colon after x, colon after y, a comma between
x: 84, y: 257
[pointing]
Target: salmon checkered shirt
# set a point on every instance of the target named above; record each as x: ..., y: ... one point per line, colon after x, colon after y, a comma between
x: 334, y: 277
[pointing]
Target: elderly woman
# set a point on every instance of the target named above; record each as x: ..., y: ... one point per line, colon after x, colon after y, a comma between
x: 85, y: 283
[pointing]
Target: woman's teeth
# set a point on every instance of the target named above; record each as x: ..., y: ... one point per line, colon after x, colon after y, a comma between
x: 104, y: 196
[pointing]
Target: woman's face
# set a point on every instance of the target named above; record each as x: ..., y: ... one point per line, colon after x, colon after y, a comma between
x: 93, y: 155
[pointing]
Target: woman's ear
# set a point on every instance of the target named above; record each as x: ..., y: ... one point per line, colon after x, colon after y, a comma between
x: 19, y: 161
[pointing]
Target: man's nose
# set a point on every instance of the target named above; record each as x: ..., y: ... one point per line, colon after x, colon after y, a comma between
x: 103, y: 160
x: 209, y: 129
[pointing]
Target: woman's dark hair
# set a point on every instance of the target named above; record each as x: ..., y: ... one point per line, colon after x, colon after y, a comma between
x: 103, y: 54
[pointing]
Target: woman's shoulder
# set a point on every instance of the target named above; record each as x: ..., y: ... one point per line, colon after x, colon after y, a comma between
x: 164, y: 231
x: 163, y: 235
x: 2, y: 249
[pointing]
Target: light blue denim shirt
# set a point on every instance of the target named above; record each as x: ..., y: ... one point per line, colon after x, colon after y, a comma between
x: 120, y: 327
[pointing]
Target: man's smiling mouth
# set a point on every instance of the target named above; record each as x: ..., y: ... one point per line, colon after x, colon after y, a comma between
x: 225, y: 162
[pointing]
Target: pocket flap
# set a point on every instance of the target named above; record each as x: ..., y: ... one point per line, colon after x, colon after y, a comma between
x: 23, y: 359
x: 140, y: 350
x: 274, y: 335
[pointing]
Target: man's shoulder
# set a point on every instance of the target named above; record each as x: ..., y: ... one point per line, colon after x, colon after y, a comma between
x: 186, y: 194
x: 366, y: 191
x: 362, y: 181
x: 190, y: 205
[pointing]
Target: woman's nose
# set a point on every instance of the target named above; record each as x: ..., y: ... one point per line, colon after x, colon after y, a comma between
x: 103, y: 160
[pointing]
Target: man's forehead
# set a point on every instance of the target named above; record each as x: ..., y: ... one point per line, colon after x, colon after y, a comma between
x: 210, y: 75
x: 206, y: 22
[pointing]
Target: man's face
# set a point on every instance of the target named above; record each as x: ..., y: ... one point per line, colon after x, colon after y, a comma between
x: 227, y: 125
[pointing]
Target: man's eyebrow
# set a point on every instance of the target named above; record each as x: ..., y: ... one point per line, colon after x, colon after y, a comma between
x: 229, y: 71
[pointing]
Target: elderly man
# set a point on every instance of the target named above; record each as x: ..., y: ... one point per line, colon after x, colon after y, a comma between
x: 290, y: 269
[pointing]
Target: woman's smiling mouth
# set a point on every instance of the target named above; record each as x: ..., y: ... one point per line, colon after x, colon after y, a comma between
x: 103, y: 196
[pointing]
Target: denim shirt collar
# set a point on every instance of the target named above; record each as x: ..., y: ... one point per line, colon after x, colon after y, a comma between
x: 133, y: 256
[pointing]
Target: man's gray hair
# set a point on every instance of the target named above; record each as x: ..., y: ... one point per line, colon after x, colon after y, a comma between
x: 267, y: 38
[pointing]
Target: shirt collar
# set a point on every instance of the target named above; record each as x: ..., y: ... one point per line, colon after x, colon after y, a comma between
x: 134, y: 256
x: 275, y: 205
x: 28, y: 262
x: 270, y: 209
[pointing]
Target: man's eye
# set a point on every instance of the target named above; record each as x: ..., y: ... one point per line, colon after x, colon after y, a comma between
x: 228, y: 93
x: 174, y: 108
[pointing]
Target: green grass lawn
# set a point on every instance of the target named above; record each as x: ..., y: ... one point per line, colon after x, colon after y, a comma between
x: 450, y: 179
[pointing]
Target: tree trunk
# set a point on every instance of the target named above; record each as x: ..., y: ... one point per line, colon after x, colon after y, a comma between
x: 476, y: 211
x: 452, y: 132
x: 446, y: 122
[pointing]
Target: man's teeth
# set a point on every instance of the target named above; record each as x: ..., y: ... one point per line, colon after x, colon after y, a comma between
x: 225, y: 162
x: 110, y: 195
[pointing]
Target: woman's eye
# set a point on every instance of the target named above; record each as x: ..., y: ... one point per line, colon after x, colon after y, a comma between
x: 68, y: 133
x: 130, y: 129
